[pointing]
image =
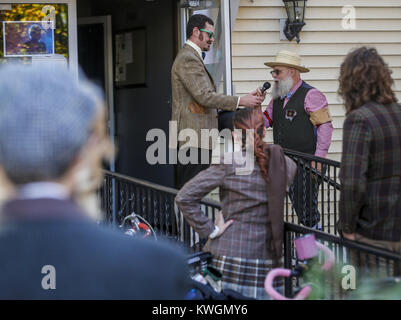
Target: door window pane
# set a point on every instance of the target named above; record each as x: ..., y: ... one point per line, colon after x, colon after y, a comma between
x: 215, y: 58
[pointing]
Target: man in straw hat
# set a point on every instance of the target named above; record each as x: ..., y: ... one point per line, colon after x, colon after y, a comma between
x: 301, y: 121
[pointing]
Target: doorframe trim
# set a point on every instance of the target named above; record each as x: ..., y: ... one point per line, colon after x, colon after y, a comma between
x: 109, y: 77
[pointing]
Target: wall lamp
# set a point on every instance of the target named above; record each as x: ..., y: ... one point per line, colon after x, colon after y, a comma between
x: 295, y: 21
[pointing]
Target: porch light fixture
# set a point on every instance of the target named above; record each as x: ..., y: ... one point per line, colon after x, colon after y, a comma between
x: 295, y: 21
x: 189, y: 3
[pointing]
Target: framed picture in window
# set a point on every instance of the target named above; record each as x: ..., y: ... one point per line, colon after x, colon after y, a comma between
x: 28, y: 38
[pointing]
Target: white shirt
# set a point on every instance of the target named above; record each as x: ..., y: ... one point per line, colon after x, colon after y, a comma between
x: 39, y: 190
x: 195, y: 46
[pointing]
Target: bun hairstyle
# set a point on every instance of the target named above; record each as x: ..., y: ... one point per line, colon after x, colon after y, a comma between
x: 252, y: 119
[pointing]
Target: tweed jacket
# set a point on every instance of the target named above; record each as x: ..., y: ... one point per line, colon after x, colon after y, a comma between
x: 255, y: 206
x: 195, y: 101
x: 370, y: 174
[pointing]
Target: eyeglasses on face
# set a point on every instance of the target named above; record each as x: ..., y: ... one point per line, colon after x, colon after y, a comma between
x: 210, y: 33
x: 276, y: 71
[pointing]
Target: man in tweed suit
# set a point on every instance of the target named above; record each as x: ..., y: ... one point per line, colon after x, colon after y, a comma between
x: 195, y: 101
x: 370, y: 202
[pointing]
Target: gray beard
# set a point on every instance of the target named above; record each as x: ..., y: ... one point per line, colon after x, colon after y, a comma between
x: 282, y: 89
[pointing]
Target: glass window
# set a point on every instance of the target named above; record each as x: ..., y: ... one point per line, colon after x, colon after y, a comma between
x: 29, y: 30
x: 215, y: 58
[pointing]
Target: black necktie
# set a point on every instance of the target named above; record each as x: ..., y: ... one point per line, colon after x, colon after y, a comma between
x: 203, y: 55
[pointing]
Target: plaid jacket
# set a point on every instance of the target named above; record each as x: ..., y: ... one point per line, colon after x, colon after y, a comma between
x: 370, y: 174
x: 195, y: 101
x: 244, y: 198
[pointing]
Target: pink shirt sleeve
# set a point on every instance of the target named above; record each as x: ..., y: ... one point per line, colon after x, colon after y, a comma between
x: 315, y: 100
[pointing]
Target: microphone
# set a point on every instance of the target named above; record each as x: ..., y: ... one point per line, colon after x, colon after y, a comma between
x: 266, y: 86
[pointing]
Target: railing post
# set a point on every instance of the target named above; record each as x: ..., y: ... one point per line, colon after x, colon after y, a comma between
x: 113, y: 201
x: 287, y: 261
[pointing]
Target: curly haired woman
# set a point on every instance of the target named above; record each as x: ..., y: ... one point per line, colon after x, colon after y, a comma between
x: 246, y: 241
x: 370, y: 202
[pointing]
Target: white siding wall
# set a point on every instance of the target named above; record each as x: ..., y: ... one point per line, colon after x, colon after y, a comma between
x: 324, y: 44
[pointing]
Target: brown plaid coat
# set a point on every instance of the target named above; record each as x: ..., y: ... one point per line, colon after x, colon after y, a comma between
x: 370, y: 200
x: 244, y: 198
x: 195, y: 101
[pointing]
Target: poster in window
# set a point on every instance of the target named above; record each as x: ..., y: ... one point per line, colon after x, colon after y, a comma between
x: 28, y: 38
x: 130, y: 53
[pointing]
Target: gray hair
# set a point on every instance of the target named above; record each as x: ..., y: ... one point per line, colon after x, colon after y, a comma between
x: 46, y: 117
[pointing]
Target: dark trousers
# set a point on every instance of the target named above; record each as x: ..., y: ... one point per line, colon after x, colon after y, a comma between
x: 185, y: 172
x: 225, y: 120
x: 304, y: 196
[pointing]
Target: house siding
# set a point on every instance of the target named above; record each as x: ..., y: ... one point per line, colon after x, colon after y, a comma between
x: 324, y: 44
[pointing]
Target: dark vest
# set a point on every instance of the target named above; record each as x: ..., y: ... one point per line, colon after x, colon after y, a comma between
x: 299, y: 133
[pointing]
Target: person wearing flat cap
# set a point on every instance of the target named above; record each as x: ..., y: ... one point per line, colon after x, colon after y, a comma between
x: 52, y: 142
x: 301, y: 121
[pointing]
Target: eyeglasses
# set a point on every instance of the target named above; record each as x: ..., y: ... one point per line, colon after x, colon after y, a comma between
x: 210, y: 33
x: 277, y: 72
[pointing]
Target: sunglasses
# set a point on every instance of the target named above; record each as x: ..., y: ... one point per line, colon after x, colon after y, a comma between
x: 210, y: 33
x: 277, y: 72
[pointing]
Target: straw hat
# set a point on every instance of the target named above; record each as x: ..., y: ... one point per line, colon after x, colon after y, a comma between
x: 287, y: 59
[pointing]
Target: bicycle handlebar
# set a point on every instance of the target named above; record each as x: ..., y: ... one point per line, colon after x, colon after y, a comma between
x: 280, y: 272
x: 329, y: 261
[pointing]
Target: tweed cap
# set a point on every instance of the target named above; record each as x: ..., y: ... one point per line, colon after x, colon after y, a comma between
x: 45, y: 119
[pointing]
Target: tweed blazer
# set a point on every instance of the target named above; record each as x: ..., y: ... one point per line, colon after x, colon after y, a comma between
x: 255, y: 205
x: 370, y: 174
x: 195, y: 101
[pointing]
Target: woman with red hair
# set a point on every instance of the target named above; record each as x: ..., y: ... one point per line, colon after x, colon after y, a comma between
x: 246, y: 238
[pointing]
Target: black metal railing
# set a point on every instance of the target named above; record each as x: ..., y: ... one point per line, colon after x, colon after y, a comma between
x: 314, y: 193
x: 121, y: 195
x: 313, y: 197
x: 356, y: 266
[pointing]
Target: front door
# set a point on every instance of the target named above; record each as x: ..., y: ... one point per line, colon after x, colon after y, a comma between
x: 95, y: 57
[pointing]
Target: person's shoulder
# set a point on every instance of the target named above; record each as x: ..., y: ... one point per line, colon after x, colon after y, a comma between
x: 152, y: 253
x: 365, y: 111
x: 358, y: 117
x: 307, y: 85
x: 314, y: 92
x: 274, y: 148
x: 186, y: 52
x: 232, y: 158
x: 120, y: 238
x: 184, y: 57
x: 374, y: 113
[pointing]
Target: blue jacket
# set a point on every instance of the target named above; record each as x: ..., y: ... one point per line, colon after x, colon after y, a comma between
x: 90, y: 261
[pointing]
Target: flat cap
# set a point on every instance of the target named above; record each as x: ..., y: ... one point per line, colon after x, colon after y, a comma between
x: 45, y: 119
